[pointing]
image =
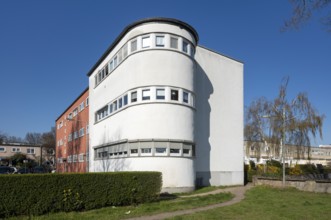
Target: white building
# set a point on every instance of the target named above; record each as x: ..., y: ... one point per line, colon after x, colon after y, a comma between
x: 160, y: 102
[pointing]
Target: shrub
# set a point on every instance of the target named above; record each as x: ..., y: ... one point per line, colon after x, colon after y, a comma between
x: 274, y: 163
x: 296, y: 170
x: 39, y: 194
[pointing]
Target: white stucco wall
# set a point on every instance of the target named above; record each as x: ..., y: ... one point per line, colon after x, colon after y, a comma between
x: 146, y: 119
x: 219, y: 119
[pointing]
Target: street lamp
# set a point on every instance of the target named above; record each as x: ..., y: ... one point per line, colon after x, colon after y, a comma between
x: 86, y: 142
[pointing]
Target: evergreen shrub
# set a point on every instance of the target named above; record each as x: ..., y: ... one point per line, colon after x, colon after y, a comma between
x: 36, y: 194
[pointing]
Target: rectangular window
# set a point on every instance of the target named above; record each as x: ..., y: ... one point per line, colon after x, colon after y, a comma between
x: 30, y: 151
x: 125, y: 51
x: 75, y: 112
x: 186, y: 151
x: 160, y: 150
x: 115, y: 61
x: 16, y: 149
x: 125, y: 100
x: 103, y: 73
x: 133, y: 45
x: 160, y: 94
x: 2, y: 149
x: 134, y: 151
x: 174, y: 43
x: 74, y: 158
x: 174, y: 151
x: 115, y: 105
x: 185, y: 46
x: 159, y: 41
x: 146, y: 150
x: 106, y: 70
x: 75, y: 135
x: 81, y: 157
x: 146, y: 42
x: 81, y: 132
x: 70, y: 116
x: 119, y: 55
x: 146, y: 94
x: 69, y: 158
x: 185, y: 97
x: 134, y: 96
x: 174, y: 95
x: 110, y: 108
x: 111, y: 65
x: 120, y: 103
x: 70, y: 137
x: 87, y: 129
x: 81, y: 106
x: 87, y: 101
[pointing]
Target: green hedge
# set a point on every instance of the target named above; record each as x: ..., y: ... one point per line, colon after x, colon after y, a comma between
x: 42, y: 193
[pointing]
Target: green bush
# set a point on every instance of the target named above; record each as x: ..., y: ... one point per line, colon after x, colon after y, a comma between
x: 43, y: 193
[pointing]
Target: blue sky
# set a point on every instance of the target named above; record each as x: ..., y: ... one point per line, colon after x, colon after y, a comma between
x: 48, y: 46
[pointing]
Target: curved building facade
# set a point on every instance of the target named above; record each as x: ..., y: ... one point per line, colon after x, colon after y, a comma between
x: 144, y: 110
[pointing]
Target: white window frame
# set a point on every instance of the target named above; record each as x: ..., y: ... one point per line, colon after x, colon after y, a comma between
x: 160, y: 43
x: 30, y: 151
x: 15, y: 149
x: 146, y: 94
x: 81, y: 158
x: 134, y: 45
x: 146, y: 41
x: 173, y: 38
x: 160, y: 96
x: 2, y: 149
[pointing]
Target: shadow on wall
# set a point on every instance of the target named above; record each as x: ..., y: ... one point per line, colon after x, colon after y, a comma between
x: 203, y: 89
x: 108, y: 164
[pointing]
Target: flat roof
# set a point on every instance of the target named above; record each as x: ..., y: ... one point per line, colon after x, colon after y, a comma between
x: 139, y: 22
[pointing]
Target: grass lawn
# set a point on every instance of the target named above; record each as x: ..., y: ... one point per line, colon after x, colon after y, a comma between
x: 271, y: 203
x: 140, y: 210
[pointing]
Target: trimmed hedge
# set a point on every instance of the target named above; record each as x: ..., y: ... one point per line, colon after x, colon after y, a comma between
x: 43, y: 193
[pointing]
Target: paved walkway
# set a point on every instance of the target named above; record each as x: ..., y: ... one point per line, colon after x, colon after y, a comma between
x: 239, y: 194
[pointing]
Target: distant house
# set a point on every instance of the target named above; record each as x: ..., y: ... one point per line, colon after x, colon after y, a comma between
x: 8, y: 150
x: 293, y: 154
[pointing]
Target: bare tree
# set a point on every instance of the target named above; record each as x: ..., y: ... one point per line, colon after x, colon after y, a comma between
x: 33, y: 138
x: 303, y: 10
x: 267, y: 121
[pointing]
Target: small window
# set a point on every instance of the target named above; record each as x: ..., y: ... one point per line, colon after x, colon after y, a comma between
x: 106, y: 70
x: 185, y: 97
x: 134, y: 96
x: 133, y: 45
x: 146, y: 42
x: 111, y: 65
x: 115, y: 105
x: 160, y: 150
x: 174, y: 94
x: 2, y: 149
x: 159, y: 41
x: 186, y: 151
x: 120, y: 103
x: 146, y: 94
x: 174, y: 151
x: 81, y: 157
x: 134, y: 151
x: 110, y: 108
x: 119, y: 55
x: 160, y: 94
x: 125, y: 51
x: 146, y: 150
x: 174, y: 43
x: 115, y: 61
x: 125, y: 100
x: 30, y: 151
x: 185, y: 47
x: 87, y: 102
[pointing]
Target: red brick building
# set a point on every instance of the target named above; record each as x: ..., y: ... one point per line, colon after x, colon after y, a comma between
x: 72, y: 136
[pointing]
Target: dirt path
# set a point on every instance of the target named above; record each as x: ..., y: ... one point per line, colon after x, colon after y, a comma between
x: 238, y: 192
